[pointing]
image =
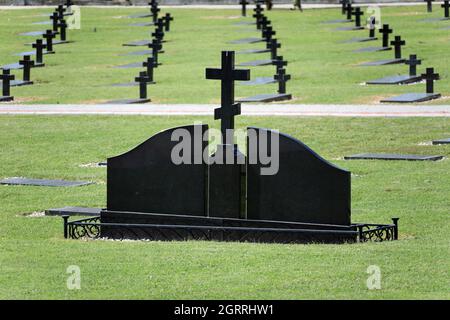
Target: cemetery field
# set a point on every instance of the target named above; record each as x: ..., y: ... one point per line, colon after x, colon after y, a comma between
x: 323, y: 69
x: 34, y: 256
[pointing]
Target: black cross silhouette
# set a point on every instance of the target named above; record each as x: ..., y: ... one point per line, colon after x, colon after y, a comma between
x: 429, y: 5
x: 49, y: 35
x: 69, y: 3
x: 39, y: 46
x: 167, y: 18
x: 267, y: 33
x: 429, y: 77
x: 60, y: 10
x: 282, y: 78
x: 398, y: 43
x: 264, y: 22
x: 150, y: 64
x: 155, y: 46
x: 349, y: 11
x: 227, y: 74
x: 273, y: 45
x: 27, y: 63
x: 62, y: 29
x: 372, y: 22
x: 159, y: 35
x: 385, y: 31
x: 446, y: 6
x: 55, y: 17
x: 279, y: 63
x: 258, y: 16
x: 155, y: 10
x: 160, y: 24
x: 344, y: 5
x: 6, y: 82
x: 357, y: 13
x: 413, y: 62
x: 244, y: 4
x: 143, y: 80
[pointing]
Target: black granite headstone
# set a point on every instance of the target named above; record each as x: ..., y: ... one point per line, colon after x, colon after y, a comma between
x: 385, y: 31
x: 140, y: 43
x: 146, y: 179
x: 357, y: 13
x: 397, y: 43
x: 39, y: 46
x: 48, y: 36
x: 441, y: 141
x: 371, y: 36
x: 429, y: 5
x: 389, y: 156
x: 244, y: 4
x: 27, y: 63
x: 6, y: 78
x: 412, y: 77
x: 43, y: 182
x: 167, y: 19
x: 306, y: 187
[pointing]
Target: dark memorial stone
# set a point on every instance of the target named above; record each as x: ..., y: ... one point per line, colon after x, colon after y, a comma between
x: 397, y: 43
x: 140, y: 43
x: 142, y: 24
x: 246, y: 40
x: 6, y: 78
x: 412, y: 77
x: 429, y: 5
x: 357, y: 13
x: 371, y: 33
x: 385, y: 31
x: 55, y: 20
x: 43, y: 182
x: 42, y: 23
x: 372, y: 49
x: 143, y: 80
x: 27, y: 63
x: 441, y: 141
x: 73, y: 211
x: 145, y: 179
x: 306, y: 187
x: 39, y: 46
x: 32, y: 33
x: 267, y: 97
x: 167, y: 19
x: 429, y: 77
x: 149, y: 64
x: 259, y: 81
x: 48, y: 36
x: 256, y: 63
x: 388, y: 156
x: 62, y: 33
x: 253, y: 51
x: 244, y: 4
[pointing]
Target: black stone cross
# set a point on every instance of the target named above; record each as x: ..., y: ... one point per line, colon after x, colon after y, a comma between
x: 267, y: 33
x: 27, y: 63
x: 39, y: 46
x: 227, y: 74
x: 6, y: 82
x: 273, y: 45
x: 143, y: 80
x: 244, y: 4
x: 160, y: 24
x: 264, y: 22
x: 282, y: 78
x: 357, y: 13
x: 258, y: 17
x: 429, y: 5
x: 398, y: 43
x: 154, y: 9
x: 69, y: 3
x: 279, y: 63
x: 158, y: 34
x: 372, y: 22
x: 62, y: 29
x: 429, y: 77
x: 344, y: 5
x: 155, y: 46
x: 167, y: 18
x: 149, y: 64
x: 55, y: 17
x: 446, y: 6
x: 385, y: 31
x: 349, y: 11
x: 49, y: 35
x: 60, y: 10
x: 413, y: 62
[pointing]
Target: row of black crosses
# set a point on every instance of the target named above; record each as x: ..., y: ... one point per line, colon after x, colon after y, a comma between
x: 162, y: 25
x: 267, y: 33
x: 429, y: 76
x: 59, y: 26
x: 445, y: 6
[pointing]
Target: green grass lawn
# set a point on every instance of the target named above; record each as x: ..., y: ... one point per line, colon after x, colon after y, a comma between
x: 323, y: 70
x: 34, y: 255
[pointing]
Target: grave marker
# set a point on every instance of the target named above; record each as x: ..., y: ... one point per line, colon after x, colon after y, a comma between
x: 6, y: 78
x: 429, y: 5
x: 385, y: 31
x: 357, y: 13
x: 371, y: 37
x: 39, y: 46
x: 244, y: 4
x: 143, y: 81
x: 48, y: 36
x: 446, y: 6
x: 282, y: 78
x: 167, y: 18
x: 27, y: 63
x: 441, y: 141
x: 412, y: 77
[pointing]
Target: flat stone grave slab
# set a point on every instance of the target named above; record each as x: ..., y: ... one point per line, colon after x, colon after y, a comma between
x: 258, y: 81
x: 400, y: 79
x: 337, y: 21
x: 30, y: 53
x: 353, y: 40
x: 252, y: 51
x: 349, y: 28
x: 389, y: 156
x: 130, y: 65
x: 128, y: 101
x: 139, y: 53
x: 139, y: 43
x: 43, y: 182
x: 140, y: 15
x: 244, y: 23
x: 381, y: 62
x: 32, y: 33
x: 268, y: 97
x: 246, y: 40
x: 255, y: 63
x: 19, y: 83
x: 42, y: 22
x: 433, y: 19
x: 12, y: 66
x: 73, y: 211
x: 442, y: 141
x: 372, y: 49
x: 129, y: 84
x: 62, y: 42
x: 412, y: 97
x: 142, y: 24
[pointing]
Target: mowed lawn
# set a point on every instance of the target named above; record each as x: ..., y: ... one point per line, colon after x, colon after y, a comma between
x: 34, y: 256
x: 323, y: 68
